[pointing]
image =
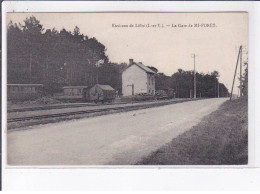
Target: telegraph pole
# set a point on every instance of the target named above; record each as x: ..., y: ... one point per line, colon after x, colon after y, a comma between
x: 194, y: 77
x: 239, y: 52
x: 240, y: 87
x: 218, y: 89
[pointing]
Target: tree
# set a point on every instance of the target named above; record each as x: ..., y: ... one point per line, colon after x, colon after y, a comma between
x: 58, y: 58
x: 183, y: 83
x: 51, y: 57
x: 110, y: 74
x: 245, y: 80
x: 16, y: 54
x: 32, y: 34
x: 215, y: 75
x: 76, y: 31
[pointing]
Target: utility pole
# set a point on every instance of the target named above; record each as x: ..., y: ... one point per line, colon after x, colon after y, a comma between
x: 218, y: 89
x: 195, y: 95
x: 240, y: 49
x: 240, y: 87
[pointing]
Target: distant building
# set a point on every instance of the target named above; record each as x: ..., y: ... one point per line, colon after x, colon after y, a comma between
x: 23, y: 92
x: 102, y: 93
x: 137, y: 78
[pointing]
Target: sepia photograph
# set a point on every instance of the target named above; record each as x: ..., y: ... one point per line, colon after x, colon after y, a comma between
x: 127, y: 88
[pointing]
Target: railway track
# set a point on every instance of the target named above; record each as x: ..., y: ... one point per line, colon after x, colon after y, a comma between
x: 122, y: 108
x: 51, y: 107
x: 48, y: 107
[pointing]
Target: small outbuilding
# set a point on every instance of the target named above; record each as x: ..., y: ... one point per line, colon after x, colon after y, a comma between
x: 103, y: 93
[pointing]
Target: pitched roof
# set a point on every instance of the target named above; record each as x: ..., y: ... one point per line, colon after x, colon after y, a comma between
x: 24, y: 84
x: 105, y: 87
x: 69, y: 87
x: 147, y: 69
x: 142, y: 66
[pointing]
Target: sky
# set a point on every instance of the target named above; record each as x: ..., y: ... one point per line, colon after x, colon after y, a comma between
x: 167, y: 48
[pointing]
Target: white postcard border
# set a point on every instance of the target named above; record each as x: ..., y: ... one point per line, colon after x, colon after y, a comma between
x: 200, y: 177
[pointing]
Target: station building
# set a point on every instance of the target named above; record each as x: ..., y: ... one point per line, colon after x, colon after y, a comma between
x: 137, y: 78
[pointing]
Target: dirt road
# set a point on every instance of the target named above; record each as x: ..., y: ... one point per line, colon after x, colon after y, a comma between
x: 121, y: 139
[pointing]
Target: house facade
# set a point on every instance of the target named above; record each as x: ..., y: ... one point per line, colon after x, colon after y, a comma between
x: 137, y: 78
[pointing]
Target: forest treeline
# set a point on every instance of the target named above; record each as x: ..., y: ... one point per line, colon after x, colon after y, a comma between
x: 183, y: 83
x: 59, y: 58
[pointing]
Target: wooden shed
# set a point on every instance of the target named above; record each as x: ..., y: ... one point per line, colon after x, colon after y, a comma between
x: 103, y: 93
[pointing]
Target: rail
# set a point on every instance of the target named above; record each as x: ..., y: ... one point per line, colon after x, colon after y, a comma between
x: 124, y: 108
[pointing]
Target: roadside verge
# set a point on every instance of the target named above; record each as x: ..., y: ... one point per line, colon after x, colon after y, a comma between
x: 221, y: 138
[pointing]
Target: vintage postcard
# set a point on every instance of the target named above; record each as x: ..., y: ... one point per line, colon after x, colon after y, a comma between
x: 129, y: 95
x: 127, y: 88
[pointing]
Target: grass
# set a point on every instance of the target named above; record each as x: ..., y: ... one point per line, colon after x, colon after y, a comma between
x: 221, y: 138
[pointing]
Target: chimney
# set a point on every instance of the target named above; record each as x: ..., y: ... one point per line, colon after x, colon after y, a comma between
x: 131, y: 61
